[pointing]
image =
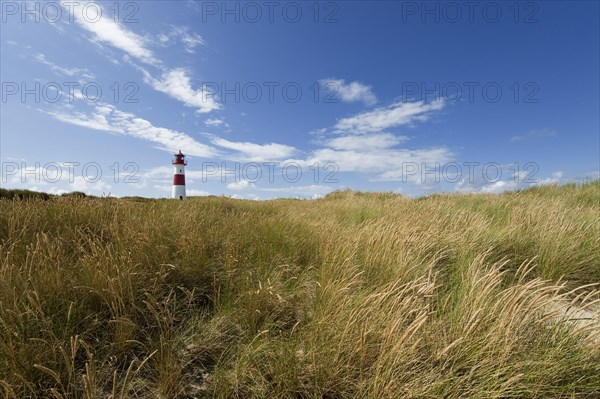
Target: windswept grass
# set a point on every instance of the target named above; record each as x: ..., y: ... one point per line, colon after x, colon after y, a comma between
x: 355, y: 295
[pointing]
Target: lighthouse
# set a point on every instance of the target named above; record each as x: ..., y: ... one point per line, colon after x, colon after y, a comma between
x: 179, y: 176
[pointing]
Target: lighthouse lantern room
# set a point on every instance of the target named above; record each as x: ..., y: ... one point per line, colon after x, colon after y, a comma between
x: 179, y: 176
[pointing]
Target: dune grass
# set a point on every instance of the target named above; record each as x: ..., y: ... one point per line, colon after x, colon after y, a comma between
x: 357, y: 295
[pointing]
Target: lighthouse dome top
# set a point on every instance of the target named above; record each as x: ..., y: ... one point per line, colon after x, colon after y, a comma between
x: 179, y: 159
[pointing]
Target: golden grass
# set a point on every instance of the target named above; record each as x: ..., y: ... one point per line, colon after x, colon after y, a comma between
x: 358, y: 295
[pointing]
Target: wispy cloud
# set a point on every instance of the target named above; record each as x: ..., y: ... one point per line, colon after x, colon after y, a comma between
x: 106, y: 30
x: 177, y: 84
x: 253, y: 152
x: 108, y: 118
x: 365, y: 141
x: 215, y: 122
x: 394, y: 115
x: 80, y: 72
x: 349, y: 92
x: 182, y: 34
x: 534, y: 134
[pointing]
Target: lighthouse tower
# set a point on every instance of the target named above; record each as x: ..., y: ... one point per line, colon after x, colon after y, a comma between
x: 179, y: 176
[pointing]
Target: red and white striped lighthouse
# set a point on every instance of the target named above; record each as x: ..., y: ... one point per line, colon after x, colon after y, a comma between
x: 179, y: 176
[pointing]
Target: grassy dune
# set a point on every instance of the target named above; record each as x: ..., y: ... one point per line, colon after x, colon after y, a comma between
x: 352, y: 296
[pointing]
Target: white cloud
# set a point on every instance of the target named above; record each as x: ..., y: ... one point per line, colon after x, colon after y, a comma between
x: 313, y: 190
x: 190, y: 40
x: 81, y: 183
x: 256, y: 152
x: 397, y: 114
x: 176, y: 83
x: 556, y: 178
x: 64, y: 71
x: 215, y: 122
x: 518, y: 180
x: 192, y: 4
x: 199, y: 193
x: 52, y: 190
x: 95, y: 121
x: 349, y: 92
x: 108, y: 118
x: 368, y: 141
x: 533, y: 134
x: 361, y: 145
x: 253, y: 197
x: 388, y: 164
x: 108, y: 31
x: 240, y: 185
x: 318, y: 132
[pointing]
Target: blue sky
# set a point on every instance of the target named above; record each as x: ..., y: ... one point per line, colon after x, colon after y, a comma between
x: 410, y: 97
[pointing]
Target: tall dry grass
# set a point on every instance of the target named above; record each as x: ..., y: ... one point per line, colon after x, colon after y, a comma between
x: 355, y: 295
